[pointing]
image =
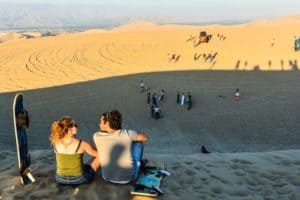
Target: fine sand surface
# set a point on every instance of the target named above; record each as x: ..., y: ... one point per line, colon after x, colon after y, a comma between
x: 251, y: 176
x: 254, y: 142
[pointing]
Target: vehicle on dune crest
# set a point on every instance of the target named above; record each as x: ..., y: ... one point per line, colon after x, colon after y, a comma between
x: 203, y: 37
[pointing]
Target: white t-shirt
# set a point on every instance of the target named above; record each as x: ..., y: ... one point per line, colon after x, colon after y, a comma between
x: 114, y: 151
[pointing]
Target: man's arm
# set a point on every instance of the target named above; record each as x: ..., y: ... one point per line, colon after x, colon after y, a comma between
x: 141, y: 137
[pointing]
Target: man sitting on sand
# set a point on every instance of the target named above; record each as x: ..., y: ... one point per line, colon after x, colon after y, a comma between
x: 120, y: 151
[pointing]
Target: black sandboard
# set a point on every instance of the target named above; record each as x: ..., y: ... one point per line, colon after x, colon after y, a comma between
x: 21, y: 123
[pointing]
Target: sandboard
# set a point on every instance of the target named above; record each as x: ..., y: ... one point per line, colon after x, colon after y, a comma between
x: 21, y: 123
x: 148, y: 181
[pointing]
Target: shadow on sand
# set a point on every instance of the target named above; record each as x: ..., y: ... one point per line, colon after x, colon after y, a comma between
x: 265, y: 114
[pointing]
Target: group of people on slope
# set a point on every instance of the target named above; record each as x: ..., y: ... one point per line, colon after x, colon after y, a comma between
x: 118, y: 154
x: 153, y: 100
x: 155, y: 109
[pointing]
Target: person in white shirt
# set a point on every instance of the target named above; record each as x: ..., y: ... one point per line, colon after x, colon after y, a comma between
x: 182, y: 99
x: 120, y: 150
x: 142, y: 85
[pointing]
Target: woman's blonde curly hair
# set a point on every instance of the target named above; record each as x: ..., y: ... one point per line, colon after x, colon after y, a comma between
x: 59, y: 129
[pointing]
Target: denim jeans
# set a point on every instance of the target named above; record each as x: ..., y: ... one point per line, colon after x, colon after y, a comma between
x: 137, y: 154
x: 86, y: 177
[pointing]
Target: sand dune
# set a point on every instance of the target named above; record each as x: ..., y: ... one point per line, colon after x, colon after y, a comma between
x: 122, y: 51
x: 254, y: 142
x: 9, y: 36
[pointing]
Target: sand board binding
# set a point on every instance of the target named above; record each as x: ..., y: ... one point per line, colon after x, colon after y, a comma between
x: 21, y: 122
x: 150, y: 178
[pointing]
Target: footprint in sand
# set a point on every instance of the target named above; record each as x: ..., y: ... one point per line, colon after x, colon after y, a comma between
x: 236, y: 167
x: 295, y: 180
x: 219, y: 179
x: 250, y: 181
x: 211, y: 165
x: 190, y: 172
x: 217, y: 189
x: 284, y: 190
x: 239, y: 193
x: 205, y: 180
x: 251, y: 171
x: 3, y: 157
x: 255, y: 180
x: 244, y: 162
x: 186, y: 180
x: 188, y: 162
x: 176, y: 167
x: 239, y: 173
x: 256, y: 188
x: 279, y: 173
x: 278, y: 157
x: 7, y: 167
x: 279, y: 184
x: 285, y: 162
x: 267, y: 176
x: 297, y: 162
x: 198, y: 168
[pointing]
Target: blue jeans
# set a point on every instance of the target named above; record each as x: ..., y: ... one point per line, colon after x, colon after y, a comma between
x: 86, y: 177
x: 137, y: 154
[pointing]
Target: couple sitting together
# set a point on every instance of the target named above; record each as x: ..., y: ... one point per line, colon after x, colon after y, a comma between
x: 118, y: 154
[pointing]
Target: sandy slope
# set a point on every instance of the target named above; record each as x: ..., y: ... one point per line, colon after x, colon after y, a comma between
x: 272, y: 175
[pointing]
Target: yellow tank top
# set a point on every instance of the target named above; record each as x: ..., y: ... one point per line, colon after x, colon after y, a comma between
x: 69, y: 164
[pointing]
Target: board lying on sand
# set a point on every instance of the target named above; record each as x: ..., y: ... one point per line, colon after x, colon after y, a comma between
x: 148, y: 184
x: 21, y: 123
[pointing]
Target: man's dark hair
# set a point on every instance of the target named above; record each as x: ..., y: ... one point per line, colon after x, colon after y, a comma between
x: 114, y: 118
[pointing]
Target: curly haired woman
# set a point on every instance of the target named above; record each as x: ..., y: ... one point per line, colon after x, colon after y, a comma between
x: 69, y: 150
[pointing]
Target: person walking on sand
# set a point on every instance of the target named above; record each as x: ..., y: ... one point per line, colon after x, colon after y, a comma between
x: 182, y: 99
x: 121, y: 150
x: 152, y: 111
x: 154, y: 100
x: 69, y: 150
x: 189, y: 101
x: 148, y: 98
x: 161, y: 97
x: 237, y: 95
x: 142, y: 86
x: 157, y: 113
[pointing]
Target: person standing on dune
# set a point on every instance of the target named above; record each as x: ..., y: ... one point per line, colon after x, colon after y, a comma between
x: 182, y: 99
x: 142, y: 86
x: 189, y: 101
x: 237, y: 95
